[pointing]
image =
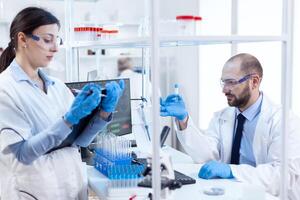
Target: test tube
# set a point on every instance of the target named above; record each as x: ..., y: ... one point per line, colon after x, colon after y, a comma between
x: 176, y: 91
x: 176, y: 88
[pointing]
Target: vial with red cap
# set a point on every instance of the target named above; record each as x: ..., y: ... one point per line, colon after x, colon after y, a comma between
x: 187, y: 24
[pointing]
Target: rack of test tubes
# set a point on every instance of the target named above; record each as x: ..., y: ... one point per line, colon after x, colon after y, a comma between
x: 113, y: 159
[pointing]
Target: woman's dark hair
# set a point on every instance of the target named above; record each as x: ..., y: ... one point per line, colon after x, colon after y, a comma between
x: 26, y: 21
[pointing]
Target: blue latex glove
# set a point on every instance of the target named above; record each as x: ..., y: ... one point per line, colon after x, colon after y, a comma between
x: 84, y: 103
x: 173, y: 106
x: 113, y: 93
x: 214, y: 169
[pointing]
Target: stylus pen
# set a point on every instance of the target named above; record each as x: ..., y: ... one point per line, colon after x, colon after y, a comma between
x: 88, y: 92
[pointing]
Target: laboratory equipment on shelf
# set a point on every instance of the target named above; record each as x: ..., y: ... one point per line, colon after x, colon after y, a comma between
x: 89, y: 33
x: 86, y: 33
x: 108, y: 34
x: 184, y: 25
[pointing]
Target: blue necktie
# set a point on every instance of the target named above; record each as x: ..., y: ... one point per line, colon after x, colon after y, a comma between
x: 235, y: 152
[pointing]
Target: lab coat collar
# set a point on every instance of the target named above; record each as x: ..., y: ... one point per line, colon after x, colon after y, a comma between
x: 19, y: 74
x: 48, y: 81
x: 267, y: 115
x: 267, y: 109
x: 228, y: 114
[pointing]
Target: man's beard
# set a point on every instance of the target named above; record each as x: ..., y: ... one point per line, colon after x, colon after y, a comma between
x: 241, y: 101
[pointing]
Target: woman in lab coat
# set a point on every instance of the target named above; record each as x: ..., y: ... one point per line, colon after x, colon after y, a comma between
x: 258, y: 160
x: 38, y: 112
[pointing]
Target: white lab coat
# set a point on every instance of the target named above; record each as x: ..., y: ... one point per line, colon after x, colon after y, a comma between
x: 216, y: 142
x: 57, y: 175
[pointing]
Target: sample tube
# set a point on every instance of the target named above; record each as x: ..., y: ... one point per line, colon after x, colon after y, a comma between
x: 176, y: 88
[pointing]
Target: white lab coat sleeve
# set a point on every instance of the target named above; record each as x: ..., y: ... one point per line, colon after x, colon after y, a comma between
x: 202, y: 146
x: 268, y: 174
x: 16, y: 134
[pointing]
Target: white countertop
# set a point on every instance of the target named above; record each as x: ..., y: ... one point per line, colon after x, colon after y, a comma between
x: 181, y: 162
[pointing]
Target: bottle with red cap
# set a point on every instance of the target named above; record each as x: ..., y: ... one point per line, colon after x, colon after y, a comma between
x: 197, y: 20
x: 187, y: 24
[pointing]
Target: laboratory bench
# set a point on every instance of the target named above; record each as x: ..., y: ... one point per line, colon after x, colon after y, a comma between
x: 233, y: 190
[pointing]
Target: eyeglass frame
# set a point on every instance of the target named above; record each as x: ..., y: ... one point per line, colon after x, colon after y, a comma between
x: 236, y: 82
x: 37, y: 37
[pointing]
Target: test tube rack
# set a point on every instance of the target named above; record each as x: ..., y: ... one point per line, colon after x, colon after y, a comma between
x: 119, y: 170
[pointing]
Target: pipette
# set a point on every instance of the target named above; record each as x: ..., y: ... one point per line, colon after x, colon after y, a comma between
x: 87, y: 92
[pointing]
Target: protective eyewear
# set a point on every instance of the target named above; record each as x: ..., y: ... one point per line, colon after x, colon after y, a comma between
x: 233, y: 82
x: 47, y: 40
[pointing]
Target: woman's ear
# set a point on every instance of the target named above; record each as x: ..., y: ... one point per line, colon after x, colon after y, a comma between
x: 22, y: 40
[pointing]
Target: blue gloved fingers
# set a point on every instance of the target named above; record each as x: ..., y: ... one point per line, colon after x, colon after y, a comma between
x: 214, y: 169
x: 114, y: 91
x: 203, y: 171
x: 162, y: 108
x: 227, y: 173
x: 164, y: 113
x: 87, y: 90
x: 122, y: 84
x: 173, y: 98
x: 161, y: 102
x: 84, y: 103
x: 92, y: 100
x: 115, y: 87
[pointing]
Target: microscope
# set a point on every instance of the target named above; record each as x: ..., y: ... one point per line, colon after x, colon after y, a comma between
x: 168, y: 182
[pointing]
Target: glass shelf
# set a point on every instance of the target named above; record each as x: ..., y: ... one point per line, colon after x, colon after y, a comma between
x: 139, y: 42
x: 174, y: 41
x: 74, y: 0
x: 169, y: 41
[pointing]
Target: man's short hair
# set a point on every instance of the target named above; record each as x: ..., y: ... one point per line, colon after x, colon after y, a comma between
x: 248, y: 63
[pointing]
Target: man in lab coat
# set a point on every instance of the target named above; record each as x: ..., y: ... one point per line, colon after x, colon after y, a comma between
x: 243, y: 141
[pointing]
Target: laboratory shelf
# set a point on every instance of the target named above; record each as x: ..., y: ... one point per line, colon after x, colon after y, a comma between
x: 74, y: 0
x: 93, y: 57
x: 174, y: 41
x: 138, y: 42
x: 169, y: 41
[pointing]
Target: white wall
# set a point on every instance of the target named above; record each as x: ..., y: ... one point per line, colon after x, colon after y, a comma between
x: 254, y: 18
x: 296, y: 73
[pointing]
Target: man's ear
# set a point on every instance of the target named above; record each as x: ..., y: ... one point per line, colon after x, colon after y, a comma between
x: 255, y: 81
